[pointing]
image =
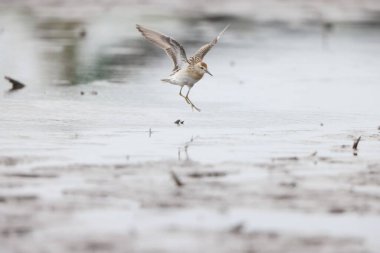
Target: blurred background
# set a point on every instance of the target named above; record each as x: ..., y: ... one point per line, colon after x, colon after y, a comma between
x: 66, y: 42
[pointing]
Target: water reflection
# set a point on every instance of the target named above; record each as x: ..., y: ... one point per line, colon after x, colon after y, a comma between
x: 65, y: 52
x: 79, y: 58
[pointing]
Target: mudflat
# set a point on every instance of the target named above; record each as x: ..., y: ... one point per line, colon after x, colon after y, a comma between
x: 92, y: 161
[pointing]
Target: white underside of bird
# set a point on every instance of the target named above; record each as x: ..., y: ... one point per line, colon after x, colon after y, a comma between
x: 181, y: 78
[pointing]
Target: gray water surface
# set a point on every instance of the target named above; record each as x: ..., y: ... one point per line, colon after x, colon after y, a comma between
x: 268, y: 77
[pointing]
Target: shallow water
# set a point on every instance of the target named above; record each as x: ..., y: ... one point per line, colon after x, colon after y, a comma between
x: 280, y: 92
x: 267, y: 78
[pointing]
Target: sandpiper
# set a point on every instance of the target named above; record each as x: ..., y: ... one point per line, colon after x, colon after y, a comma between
x: 186, y: 71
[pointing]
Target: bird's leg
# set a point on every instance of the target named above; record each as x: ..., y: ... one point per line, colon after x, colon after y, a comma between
x: 181, y: 91
x: 191, y: 103
x: 183, y: 95
x: 187, y: 96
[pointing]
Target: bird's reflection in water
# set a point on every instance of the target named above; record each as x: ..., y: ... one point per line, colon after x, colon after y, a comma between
x: 185, y: 148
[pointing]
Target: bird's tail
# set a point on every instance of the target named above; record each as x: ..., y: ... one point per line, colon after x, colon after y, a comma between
x: 166, y: 80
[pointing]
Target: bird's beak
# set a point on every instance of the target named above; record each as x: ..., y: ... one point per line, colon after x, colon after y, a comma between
x: 208, y: 72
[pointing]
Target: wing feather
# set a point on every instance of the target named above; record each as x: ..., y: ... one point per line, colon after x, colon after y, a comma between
x: 200, y: 54
x: 172, y: 48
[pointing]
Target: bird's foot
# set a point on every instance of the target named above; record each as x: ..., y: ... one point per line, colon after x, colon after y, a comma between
x: 193, y: 106
x: 187, y: 99
x: 196, y: 108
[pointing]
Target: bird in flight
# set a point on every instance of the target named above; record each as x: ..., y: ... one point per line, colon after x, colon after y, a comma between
x: 186, y: 71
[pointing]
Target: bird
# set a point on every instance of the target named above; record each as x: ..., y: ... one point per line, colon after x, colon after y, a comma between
x: 186, y: 71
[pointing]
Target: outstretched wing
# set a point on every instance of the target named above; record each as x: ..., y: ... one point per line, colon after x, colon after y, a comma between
x: 200, y: 54
x: 171, y: 46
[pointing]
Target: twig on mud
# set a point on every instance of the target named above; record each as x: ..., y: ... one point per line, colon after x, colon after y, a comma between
x: 356, y: 143
x: 176, y: 179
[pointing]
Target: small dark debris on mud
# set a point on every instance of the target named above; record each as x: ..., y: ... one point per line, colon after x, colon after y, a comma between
x: 314, y: 154
x: 179, y: 122
x: 207, y: 174
x: 289, y: 184
x: 82, y: 33
x: 290, y: 158
x: 9, y: 161
x: 15, y: 231
x: 328, y: 26
x: 29, y: 175
x: 237, y: 229
x: 150, y: 132
x: 284, y: 196
x: 16, y: 85
x: 17, y: 198
x: 337, y: 210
